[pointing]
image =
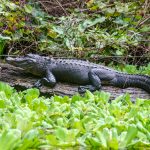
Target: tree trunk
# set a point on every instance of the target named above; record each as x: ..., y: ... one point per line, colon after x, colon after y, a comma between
x: 21, y: 80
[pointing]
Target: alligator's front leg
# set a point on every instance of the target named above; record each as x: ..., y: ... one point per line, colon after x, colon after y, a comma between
x: 49, y: 80
x: 95, y: 77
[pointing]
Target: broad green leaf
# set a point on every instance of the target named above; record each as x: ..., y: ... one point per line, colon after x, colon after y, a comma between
x: 102, y: 139
x: 2, y: 100
x: 89, y: 95
x: 58, y: 30
x: 30, y: 139
x: 7, y: 89
x: 61, y: 133
x: 2, y: 44
x: 52, y: 139
x: 77, y: 124
x: 94, y: 141
x: 28, y: 8
x: 89, y: 23
x: 31, y: 94
x: 103, y: 96
x: 2, y: 38
x: 10, y: 139
x: 75, y: 98
x: 131, y: 134
x: 114, y: 143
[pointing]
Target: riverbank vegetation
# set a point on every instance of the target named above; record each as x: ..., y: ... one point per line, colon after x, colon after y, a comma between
x: 88, y: 30
x: 31, y: 121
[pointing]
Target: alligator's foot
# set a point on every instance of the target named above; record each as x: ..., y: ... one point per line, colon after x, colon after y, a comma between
x: 37, y: 84
x: 44, y: 81
x: 82, y: 89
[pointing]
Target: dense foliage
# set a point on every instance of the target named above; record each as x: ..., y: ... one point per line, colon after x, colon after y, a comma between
x: 109, y: 27
x: 29, y: 121
x: 132, y: 69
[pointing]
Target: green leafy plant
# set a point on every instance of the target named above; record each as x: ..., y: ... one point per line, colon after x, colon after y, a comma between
x: 132, y: 69
x: 29, y: 121
x: 109, y: 27
x: 3, y: 40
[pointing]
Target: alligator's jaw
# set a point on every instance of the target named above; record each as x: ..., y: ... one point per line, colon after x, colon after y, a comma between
x: 13, y: 61
x: 31, y: 65
x: 22, y: 62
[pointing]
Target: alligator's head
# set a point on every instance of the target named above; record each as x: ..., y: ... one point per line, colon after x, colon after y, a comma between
x: 32, y: 63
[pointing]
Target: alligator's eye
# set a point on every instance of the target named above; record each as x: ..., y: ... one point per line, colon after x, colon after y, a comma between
x: 32, y: 60
x: 30, y: 55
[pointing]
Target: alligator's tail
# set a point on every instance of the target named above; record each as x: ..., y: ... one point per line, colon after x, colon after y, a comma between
x: 129, y: 80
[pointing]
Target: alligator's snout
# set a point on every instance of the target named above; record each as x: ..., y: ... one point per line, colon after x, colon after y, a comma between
x: 31, y: 63
x: 18, y: 61
x: 22, y: 61
x: 13, y: 61
x: 9, y: 59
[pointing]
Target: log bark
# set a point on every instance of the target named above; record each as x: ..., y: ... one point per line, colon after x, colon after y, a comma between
x: 21, y: 80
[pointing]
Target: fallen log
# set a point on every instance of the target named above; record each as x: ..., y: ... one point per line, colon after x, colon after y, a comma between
x: 17, y: 78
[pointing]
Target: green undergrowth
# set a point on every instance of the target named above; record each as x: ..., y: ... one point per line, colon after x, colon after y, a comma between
x: 132, y: 69
x: 29, y: 121
x: 109, y: 27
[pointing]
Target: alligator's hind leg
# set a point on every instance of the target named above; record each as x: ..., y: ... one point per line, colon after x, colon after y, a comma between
x: 94, y: 80
x: 49, y: 80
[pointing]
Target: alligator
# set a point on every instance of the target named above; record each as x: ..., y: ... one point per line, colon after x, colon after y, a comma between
x: 89, y: 76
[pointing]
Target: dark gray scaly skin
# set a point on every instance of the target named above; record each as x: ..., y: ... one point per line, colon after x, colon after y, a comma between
x: 91, y: 76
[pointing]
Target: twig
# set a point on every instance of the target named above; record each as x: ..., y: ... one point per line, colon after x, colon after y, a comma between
x: 142, y: 22
x: 62, y: 7
x: 146, y: 6
x: 45, y: 8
